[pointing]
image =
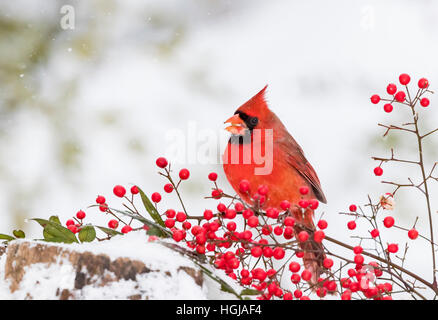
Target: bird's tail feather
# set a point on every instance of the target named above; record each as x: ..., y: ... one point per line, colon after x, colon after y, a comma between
x: 314, y: 256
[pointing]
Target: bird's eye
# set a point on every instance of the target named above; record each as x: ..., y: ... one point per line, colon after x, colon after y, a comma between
x: 254, y: 121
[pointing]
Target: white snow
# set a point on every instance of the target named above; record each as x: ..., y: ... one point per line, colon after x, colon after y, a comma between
x: 43, y: 280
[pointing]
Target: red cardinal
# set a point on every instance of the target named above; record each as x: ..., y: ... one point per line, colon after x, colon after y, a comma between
x: 288, y: 170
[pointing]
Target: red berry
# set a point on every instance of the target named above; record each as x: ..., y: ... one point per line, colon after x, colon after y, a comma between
x: 134, y: 190
x: 424, y: 102
x: 200, y: 238
x: 230, y: 214
x: 388, y: 107
x: 256, y: 252
x: 263, y: 190
x: 178, y: 235
x: 244, y: 186
x: 170, y: 213
x: 247, y: 213
x: 357, y: 249
x: 200, y: 249
x: 306, y: 275
x: 331, y: 286
x: 351, y: 225
x: 208, y: 214
x: 391, y: 88
x: 375, y: 99
x: 299, y: 254
x: 303, y: 236
x: 388, y: 222
x: 393, y: 248
x: 266, y: 230
x: 244, y: 273
x: 272, y: 213
x: 231, y: 226
x: 168, y: 188
x: 184, y: 174
x: 303, y: 203
x: 378, y: 171
x: 113, y: 224
x: 253, y: 221
x: 221, y: 207
x: 72, y: 228
x: 216, y: 193
x: 80, y: 215
x: 404, y: 79
x: 156, y: 197
x: 267, y: 252
x: 289, y: 221
x: 119, y: 191
x: 212, y: 176
x: 100, y: 199
x: 318, y: 236
x: 322, y: 224
x: 298, y: 293
x: 161, y: 162
x: 346, y: 295
x: 186, y: 225
x: 246, y: 235
x: 279, y: 253
x: 304, y: 190
x: 239, y: 207
x: 375, y: 233
x: 69, y: 222
x: 278, y: 230
x: 288, y: 233
x: 327, y: 263
x: 400, y: 96
x: 284, y: 205
x: 321, y: 292
x: 126, y: 229
x: 423, y: 83
x: 413, y: 234
x: 353, y: 208
x: 294, y: 267
x: 313, y: 204
x: 181, y: 216
x: 295, y: 278
x: 359, y: 259
x: 103, y: 207
x: 170, y: 223
x: 287, y: 296
x: 259, y: 274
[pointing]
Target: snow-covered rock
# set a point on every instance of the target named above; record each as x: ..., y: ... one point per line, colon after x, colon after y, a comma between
x: 126, y: 267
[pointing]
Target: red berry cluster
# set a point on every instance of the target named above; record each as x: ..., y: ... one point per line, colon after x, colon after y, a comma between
x: 400, y: 97
x: 234, y: 235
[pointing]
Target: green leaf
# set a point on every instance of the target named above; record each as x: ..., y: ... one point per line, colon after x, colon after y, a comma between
x: 87, y: 234
x: 250, y: 292
x: 110, y: 232
x: 55, y: 232
x: 19, y: 233
x: 55, y: 219
x: 150, y: 208
x: 42, y: 222
x: 6, y: 237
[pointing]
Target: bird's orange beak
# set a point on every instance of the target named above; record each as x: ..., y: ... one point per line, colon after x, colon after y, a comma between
x: 237, y: 126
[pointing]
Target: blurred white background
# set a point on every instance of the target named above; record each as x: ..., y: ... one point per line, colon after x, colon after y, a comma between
x: 85, y: 109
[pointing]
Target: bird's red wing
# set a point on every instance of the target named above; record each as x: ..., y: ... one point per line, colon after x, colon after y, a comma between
x: 295, y: 157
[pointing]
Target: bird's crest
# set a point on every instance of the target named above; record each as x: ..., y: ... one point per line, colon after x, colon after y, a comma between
x: 256, y: 106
